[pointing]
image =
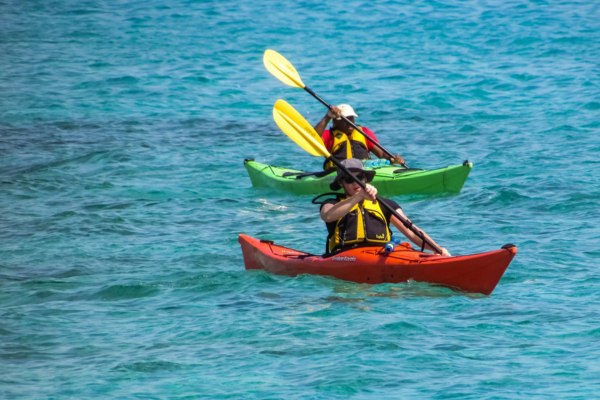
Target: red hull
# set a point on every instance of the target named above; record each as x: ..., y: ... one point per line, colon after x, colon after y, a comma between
x: 478, y: 273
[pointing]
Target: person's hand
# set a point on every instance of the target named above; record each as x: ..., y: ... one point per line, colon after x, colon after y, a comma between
x: 445, y: 252
x: 369, y: 194
x: 334, y: 112
x: 397, y: 159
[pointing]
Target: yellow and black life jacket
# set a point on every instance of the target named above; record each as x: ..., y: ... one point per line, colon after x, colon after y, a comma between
x: 365, y: 223
x: 348, y: 146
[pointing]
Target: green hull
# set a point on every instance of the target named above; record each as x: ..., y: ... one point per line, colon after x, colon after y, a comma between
x: 390, y: 180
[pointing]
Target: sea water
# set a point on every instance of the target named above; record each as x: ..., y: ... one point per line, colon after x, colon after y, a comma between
x: 123, y: 130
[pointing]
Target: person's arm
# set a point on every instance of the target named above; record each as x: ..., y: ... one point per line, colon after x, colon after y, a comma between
x: 413, y: 236
x: 322, y: 124
x: 379, y: 153
x: 333, y: 212
x: 396, y: 159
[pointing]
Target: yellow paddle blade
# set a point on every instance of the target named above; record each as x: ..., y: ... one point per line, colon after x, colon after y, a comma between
x: 282, y: 69
x: 293, y: 124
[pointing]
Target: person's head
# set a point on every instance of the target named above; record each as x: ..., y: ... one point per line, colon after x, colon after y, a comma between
x: 347, y: 111
x: 355, y: 167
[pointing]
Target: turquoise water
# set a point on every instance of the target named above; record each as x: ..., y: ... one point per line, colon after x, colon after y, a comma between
x: 123, y: 127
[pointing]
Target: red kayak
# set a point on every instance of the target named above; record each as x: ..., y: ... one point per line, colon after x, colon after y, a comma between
x: 478, y: 273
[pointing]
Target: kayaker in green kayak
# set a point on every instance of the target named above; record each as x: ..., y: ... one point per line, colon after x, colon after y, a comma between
x: 343, y: 141
x: 356, y: 217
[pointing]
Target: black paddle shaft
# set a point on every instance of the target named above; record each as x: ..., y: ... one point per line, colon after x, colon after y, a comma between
x: 404, y: 221
x: 370, y: 139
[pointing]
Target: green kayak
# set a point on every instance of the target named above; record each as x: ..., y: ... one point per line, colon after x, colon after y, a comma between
x: 390, y: 180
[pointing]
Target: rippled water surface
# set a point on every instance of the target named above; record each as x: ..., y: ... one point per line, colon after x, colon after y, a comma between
x: 123, y: 128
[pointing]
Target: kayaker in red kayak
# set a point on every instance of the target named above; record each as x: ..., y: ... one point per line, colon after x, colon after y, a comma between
x: 343, y: 141
x: 356, y: 217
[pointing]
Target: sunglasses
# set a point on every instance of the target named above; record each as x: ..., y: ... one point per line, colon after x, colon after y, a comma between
x: 361, y: 177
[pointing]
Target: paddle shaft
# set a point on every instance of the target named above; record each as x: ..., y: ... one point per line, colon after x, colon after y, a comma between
x: 369, y: 138
x: 404, y: 221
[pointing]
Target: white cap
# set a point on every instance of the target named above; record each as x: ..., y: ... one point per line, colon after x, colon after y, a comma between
x: 347, y: 111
